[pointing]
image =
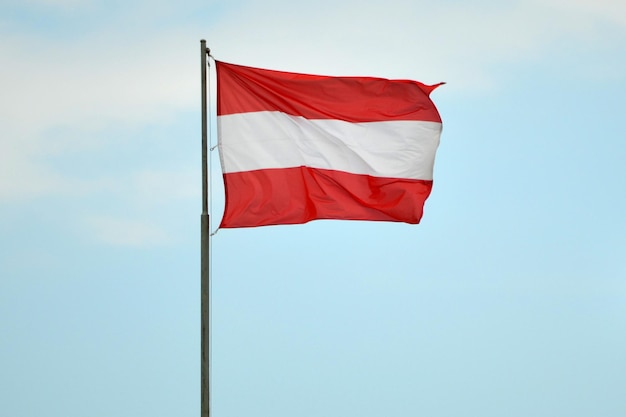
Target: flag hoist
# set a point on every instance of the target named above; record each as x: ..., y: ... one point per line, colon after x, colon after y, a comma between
x: 300, y: 147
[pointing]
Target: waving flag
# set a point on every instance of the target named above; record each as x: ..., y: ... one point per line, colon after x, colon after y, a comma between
x: 298, y: 147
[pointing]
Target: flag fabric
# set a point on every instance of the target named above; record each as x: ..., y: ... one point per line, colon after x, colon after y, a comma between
x: 299, y: 147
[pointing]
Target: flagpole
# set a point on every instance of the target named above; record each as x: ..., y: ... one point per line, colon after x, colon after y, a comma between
x: 205, y: 278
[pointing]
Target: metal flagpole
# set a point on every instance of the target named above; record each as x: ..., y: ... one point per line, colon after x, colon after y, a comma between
x: 205, y: 410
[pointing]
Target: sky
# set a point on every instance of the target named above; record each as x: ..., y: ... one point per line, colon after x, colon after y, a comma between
x: 509, y: 299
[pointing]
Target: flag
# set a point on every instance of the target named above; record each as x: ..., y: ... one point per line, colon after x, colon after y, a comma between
x: 299, y: 147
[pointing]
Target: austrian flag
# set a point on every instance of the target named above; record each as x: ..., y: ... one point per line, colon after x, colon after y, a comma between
x: 298, y: 147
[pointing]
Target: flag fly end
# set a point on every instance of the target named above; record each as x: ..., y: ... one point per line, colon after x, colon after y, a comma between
x: 431, y: 88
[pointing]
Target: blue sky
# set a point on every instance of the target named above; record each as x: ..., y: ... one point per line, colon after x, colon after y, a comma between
x: 509, y: 299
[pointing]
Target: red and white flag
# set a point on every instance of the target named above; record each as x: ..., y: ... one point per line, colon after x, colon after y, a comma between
x: 298, y: 147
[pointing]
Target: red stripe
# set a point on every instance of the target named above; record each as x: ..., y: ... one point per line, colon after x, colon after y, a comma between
x: 299, y: 195
x: 353, y: 99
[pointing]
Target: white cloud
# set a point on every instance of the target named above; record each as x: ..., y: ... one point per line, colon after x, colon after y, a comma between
x: 151, y: 187
x: 23, y: 177
x: 125, y: 232
x: 56, y: 4
x: 83, y: 87
x: 599, y: 11
x: 97, y: 81
x: 468, y: 45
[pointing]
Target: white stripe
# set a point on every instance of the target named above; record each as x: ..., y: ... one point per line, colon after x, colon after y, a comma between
x: 263, y: 140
